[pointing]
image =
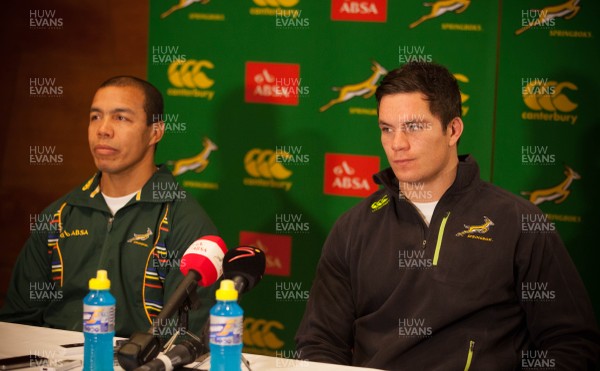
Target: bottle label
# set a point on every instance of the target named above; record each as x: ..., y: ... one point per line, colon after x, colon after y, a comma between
x: 226, y: 330
x: 98, y: 319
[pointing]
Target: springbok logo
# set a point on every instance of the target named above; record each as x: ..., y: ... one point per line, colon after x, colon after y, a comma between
x: 463, y: 97
x: 140, y: 237
x: 547, y: 95
x: 180, y: 5
x: 365, y: 89
x: 479, y: 229
x: 558, y: 193
x: 197, y: 163
x: 440, y: 7
x: 546, y: 16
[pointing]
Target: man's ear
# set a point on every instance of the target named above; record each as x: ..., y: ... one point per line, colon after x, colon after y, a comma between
x: 455, y: 130
x: 158, y: 130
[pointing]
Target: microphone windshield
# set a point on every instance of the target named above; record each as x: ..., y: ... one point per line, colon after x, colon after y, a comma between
x: 205, y: 256
x: 247, y: 262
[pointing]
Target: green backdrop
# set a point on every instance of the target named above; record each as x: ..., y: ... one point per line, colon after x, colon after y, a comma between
x: 248, y: 131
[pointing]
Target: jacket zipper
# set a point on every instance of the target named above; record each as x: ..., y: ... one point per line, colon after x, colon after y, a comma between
x: 438, y: 244
x: 105, y: 244
x: 469, y: 355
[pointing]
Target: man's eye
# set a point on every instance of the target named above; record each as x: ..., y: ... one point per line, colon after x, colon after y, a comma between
x: 413, y: 126
x: 386, y: 129
x: 121, y: 118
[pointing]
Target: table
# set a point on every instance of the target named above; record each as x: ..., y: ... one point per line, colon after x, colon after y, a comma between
x: 19, y: 340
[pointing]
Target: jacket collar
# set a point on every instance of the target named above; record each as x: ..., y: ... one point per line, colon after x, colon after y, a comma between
x: 161, y: 187
x: 467, y: 176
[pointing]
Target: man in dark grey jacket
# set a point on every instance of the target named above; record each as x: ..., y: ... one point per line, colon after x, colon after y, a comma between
x: 435, y: 271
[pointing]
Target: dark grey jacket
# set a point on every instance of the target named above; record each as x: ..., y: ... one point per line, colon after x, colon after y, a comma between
x: 487, y: 286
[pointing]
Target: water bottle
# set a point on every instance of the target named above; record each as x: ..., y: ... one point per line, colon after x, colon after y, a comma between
x: 226, y: 324
x: 98, y: 325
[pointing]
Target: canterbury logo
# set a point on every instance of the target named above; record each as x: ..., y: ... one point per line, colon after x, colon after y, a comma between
x: 566, y: 10
x: 363, y: 89
x: 558, y: 193
x: 479, y: 229
x: 377, y: 205
x: 276, y: 3
x: 263, y: 163
x: 189, y: 74
x: 180, y: 5
x: 441, y: 7
x: 140, y: 237
x: 463, y: 97
x: 259, y: 333
x: 196, y: 163
x: 540, y: 95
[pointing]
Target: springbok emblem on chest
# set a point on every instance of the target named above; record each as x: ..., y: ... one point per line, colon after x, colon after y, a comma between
x: 480, y: 228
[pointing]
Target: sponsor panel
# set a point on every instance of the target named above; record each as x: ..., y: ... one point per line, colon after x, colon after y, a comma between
x: 262, y: 336
x: 557, y: 193
x: 359, y: 11
x: 548, y: 100
x: 190, y: 78
x: 273, y: 7
x: 277, y: 249
x: 442, y: 7
x: 265, y: 169
x: 196, y: 163
x: 364, y: 89
x: 350, y: 175
x: 192, y: 10
x: 273, y: 83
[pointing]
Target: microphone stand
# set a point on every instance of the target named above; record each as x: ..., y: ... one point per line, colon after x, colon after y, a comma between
x: 143, y: 347
x: 183, y: 331
x: 183, y: 320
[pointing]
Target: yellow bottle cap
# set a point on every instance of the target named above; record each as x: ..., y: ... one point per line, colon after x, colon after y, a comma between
x: 101, y: 282
x: 227, y: 291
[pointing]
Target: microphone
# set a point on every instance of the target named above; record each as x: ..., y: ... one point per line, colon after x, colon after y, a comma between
x: 245, y: 266
x: 181, y: 354
x: 202, y: 265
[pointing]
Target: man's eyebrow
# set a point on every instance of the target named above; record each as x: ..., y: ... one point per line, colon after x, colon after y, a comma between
x: 116, y: 110
x: 128, y: 110
x: 413, y: 120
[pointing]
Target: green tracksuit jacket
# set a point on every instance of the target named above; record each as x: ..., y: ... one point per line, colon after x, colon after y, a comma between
x: 140, y: 247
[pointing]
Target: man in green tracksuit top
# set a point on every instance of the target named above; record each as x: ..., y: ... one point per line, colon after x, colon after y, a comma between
x: 440, y: 270
x: 131, y: 218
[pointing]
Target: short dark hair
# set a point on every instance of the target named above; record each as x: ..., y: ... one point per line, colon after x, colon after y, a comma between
x: 153, y: 100
x: 432, y: 80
